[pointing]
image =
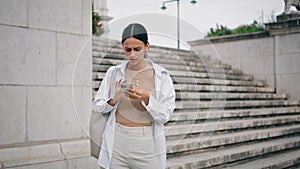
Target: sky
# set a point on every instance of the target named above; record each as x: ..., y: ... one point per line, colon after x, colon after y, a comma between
x: 195, y: 20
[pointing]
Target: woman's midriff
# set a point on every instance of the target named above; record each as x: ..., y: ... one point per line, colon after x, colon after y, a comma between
x: 135, y: 124
x: 126, y: 122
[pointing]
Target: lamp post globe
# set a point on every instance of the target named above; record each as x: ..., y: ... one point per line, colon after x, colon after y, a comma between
x: 193, y: 2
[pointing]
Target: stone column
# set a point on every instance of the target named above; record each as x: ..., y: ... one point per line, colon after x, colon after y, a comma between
x: 45, y: 83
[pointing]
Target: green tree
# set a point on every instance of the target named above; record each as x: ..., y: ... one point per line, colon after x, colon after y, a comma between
x: 223, y: 30
x: 96, y: 23
x: 219, y: 31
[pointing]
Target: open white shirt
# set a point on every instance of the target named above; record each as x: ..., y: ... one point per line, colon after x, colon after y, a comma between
x: 160, y: 108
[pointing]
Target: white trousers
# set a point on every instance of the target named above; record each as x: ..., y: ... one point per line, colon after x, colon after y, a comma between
x: 134, y: 148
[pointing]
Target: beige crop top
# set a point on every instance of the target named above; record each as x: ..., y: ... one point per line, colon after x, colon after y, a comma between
x: 132, y: 111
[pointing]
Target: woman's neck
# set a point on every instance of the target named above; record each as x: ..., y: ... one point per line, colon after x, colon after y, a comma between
x: 140, y: 66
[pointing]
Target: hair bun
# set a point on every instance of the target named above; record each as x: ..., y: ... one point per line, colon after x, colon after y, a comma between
x: 136, y: 31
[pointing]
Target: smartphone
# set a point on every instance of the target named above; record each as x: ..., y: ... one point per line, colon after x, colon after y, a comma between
x: 126, y: 85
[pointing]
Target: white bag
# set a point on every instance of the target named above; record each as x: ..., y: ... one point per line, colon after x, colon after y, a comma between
x: 98, y: 122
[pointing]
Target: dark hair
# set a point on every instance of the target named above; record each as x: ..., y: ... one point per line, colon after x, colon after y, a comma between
x: 136, y: 31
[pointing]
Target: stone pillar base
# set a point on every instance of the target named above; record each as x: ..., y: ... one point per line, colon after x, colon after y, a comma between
x: 286, y: 24
x: 79, y: 163
x: 68, y: 154
x: 288, y: 17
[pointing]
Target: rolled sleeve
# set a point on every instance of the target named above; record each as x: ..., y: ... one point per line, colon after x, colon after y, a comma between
x: 162, y: 109
x: 100, y: 103
x: 103, y: 106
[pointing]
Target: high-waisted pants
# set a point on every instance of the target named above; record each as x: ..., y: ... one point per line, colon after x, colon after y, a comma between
x: 134, y: 148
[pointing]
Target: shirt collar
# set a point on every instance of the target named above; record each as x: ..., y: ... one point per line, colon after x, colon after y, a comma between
x: 157, y: 68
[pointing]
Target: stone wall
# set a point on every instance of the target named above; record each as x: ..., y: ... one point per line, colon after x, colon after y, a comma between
x: 271, y: 58
x: 45, y: 80
x: 287, y: 59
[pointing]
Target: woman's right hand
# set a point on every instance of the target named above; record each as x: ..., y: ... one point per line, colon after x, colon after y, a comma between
x: 118, y: 94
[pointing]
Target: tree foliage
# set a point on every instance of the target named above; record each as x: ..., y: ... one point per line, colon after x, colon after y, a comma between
x: 96, y: 23
x: 221, y: 30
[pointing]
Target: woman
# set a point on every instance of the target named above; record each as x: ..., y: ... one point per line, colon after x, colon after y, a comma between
x: 143, y: 100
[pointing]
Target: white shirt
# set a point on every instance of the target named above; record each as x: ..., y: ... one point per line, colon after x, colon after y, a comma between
x: 160, y: 108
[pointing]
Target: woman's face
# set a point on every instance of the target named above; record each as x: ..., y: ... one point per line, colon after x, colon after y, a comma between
x: 135, y: 51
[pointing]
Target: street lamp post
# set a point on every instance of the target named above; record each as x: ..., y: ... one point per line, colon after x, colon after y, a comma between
x: 163, y: 7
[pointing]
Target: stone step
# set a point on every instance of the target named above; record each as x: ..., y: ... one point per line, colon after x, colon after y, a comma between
x: 174, y: 51
x: 186, y: 56
x: 103, y: 58
x: 111, y: 42
x: 185, y: 91
x: 236, y: 81
x: 116, y: 47
x: 209, y: 69
x: 218, y: 88
x: 217, y: 104
x: 102, y: 68
x: 213, y: 92
x: 108, y: 58
x: 232, y: 154
x: 217, y: 95
x: 155, y: 52
x: 279, y: 160
x: 238, y: 113
x: 196, y: 143
x: 215, y: 82
x: 99, y: 58
x: 228, y: 96
x: 203, y: 81
x: 104, y: 40
x: 217, y: 125
x: 194, y: 76
x: 216, y: 65
x: 193, y: 90
x: 119, y: 53
x: 210, y: 75
x: 44, y: 152
x: 86, y: 162
x: 227, y: 82
x: 108, y: 43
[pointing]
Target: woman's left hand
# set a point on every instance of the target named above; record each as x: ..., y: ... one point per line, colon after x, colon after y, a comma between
x: 141, y: 95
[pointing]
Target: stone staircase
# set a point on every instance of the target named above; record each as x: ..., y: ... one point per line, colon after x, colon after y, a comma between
x: 223, y: 118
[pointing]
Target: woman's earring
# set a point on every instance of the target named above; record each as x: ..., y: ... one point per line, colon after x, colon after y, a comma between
x: 146, y: 54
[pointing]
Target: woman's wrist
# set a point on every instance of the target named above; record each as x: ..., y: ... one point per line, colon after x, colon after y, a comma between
x: 111, y: 102
x: 146, y: 98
